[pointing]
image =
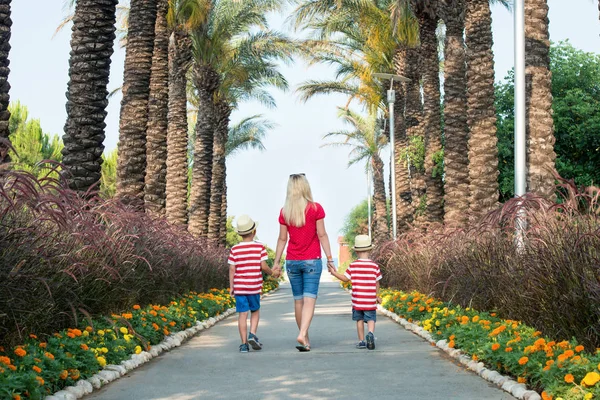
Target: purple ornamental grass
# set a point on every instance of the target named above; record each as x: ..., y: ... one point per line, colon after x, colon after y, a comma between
x: 62, y: 256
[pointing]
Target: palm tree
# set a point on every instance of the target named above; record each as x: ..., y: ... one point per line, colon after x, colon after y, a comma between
x: 456, y: 161
x: 158, y: 107
x: 5, y: 24
x: 483, y: 151
x: 183, y: 16
x: 230, y: 62
x: 366, y: 140
x: 540, y: 125
x: 89, y: 69
x: 131, y: 169
x: 244, y: 135
x: 427, y: 15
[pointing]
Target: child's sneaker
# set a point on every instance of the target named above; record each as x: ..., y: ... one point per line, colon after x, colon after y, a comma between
x: 253, y: 341
x: 370, y: 341
x: 244, y: 348
x: 361, y: 345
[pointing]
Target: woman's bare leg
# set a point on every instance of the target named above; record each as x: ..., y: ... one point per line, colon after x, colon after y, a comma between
x: 308, y: 311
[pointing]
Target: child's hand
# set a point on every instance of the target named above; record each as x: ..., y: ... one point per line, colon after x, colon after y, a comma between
x: 379, y: 300
x: 231, y: 291
x: 331, y: 269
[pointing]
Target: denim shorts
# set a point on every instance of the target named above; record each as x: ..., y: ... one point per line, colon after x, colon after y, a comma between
x: 360, y: 315
x: 247, y: 302
x: 304, y: 276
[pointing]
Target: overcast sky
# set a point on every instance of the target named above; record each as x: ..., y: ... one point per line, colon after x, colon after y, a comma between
x: 256, y: 181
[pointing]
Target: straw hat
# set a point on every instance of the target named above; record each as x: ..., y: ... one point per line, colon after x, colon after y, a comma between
x: 362, y: 243
x: 245, y: 225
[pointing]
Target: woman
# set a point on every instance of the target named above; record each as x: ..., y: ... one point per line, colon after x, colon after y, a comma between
x: 302, y: 220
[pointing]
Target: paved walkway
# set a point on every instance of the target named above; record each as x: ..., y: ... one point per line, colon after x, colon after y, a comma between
x: 403, y: 366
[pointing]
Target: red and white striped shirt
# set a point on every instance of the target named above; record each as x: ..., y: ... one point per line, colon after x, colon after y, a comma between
x: 247, y: 258
x: 364, y: 275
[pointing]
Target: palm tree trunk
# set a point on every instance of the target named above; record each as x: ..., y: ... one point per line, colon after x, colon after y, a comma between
x: 414, y: 125
x: 158, y: 108
x: 540, y: 125
x: 481, y: 110
x: 456, y: 162
x: 402, y: 178
x: 87, y: 96
x: 131, y: 162
x: 381, y: 225
x: 223, y: 227
x: 206, y: 80
x: 432, y: 118
x: 5, y: 25
x: 222, y: 113
x: 180, y: 50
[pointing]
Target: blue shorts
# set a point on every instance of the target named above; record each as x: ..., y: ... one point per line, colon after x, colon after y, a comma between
x: 304, y: 276
x: 360, y: 315
x: 247, y: 302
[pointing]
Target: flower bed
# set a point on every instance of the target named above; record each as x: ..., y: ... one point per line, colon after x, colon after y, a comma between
x: 44, y: 365
x: 560, y: 370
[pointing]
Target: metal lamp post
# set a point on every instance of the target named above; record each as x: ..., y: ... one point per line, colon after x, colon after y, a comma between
x: 369, y: 199
x: 391, y: 98
x: 520, y: 109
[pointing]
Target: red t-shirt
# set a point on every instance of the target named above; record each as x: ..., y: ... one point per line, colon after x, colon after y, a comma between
x: 247, y: 258
x: 364, y: 275
x: 304, y: 243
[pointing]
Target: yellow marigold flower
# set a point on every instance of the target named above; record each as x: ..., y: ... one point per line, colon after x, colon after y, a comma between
x: 588, y: 396
x: 590, y: 379
x: 138, y: 349
x: 86, y: 333
x: 101, y: 332
x: 495, y: 346
x: 101, y: 361
x: 123, y: 330
x: 64, y: 374
x: 104, y: 350
x: 579, y: 348
x: 523, y: 360
x: 36, y: 369
x: 20, y: 352
x: 569, y: 378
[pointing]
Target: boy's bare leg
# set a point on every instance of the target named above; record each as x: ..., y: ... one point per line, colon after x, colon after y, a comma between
x: 371, y: 325
x: 254, y: 318
x: 243, y: 326
x: 360, y: 328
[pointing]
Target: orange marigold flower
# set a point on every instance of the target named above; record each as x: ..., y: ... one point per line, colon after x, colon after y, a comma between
x: 508, y: 349
x: 4, y: 360
x: 155, y: 326
x: 136, y: 307
x: 20, y: 352
x: 569, y: 353
x: 495, y: 346
x: 31, y: 335
x: 569, y: 378
x: 152, y: 312
x: 452, y: 337
x: 451, y: 344
x: 164, y: 319
x: 16, y: 397
x: 89, y: 329
x: 40, y: 380
x: 421, y: 308
x: 523, y: 360
x: 127, y: 315
x: 84, y: 346
x: 64, y: 374
x: 49, y: 355
x: 71, y: 335
x: 75, y: 374
x: 43, y: 345
x: 521, y: 379
x: 172, y: 323
x: 546, y: 396
x: 36, y: 369
x: 546, y: 368
x: 579, y: 348
x: 475, y: 318
x: 549, y: 362
x: 12, y: 367
x: 590, y: 379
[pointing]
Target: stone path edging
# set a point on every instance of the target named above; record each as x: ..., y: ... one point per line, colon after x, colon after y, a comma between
x: 115, y: 371
x: 507, y: 384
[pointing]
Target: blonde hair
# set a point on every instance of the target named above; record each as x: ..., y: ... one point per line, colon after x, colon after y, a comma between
x: 296, y: 201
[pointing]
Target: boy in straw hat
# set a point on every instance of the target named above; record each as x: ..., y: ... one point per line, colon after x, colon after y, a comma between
x: 364, y: 275
x: 247, y: 260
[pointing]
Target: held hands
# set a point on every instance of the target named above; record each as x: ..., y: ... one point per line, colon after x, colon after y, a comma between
x: 276, y: 270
